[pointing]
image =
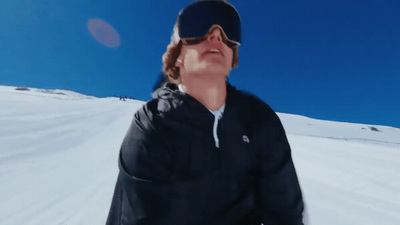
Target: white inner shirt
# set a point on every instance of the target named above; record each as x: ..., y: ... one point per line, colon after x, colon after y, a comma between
x: 217, y: 116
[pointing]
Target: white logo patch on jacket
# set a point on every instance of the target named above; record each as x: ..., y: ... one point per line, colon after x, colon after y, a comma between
x: 246, y: 139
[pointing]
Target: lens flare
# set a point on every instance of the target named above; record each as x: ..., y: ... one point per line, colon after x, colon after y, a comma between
x: 103, y: 32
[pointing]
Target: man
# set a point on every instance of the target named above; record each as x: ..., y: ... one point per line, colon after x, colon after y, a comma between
x: 202, y: 152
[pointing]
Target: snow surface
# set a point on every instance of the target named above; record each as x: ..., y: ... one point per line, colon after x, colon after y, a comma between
x: 59, y: 150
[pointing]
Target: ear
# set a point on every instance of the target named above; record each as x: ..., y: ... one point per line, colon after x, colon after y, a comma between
x: 178, y: 62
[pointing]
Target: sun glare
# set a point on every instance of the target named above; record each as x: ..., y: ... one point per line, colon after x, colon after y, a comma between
x: 103, y: 32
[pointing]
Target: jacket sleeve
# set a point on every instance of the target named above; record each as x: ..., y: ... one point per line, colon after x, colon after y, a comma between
x: 279, y: 196
x: 142, y: 194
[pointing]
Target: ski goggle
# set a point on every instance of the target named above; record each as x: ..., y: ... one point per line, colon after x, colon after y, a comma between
x: 199, y: 18
x: 197, y: 40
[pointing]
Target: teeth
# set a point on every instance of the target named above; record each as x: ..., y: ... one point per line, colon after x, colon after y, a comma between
x: 215, y: 50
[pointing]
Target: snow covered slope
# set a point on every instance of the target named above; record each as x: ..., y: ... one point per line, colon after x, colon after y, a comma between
x: 59, y: 150
x: 349, y: 172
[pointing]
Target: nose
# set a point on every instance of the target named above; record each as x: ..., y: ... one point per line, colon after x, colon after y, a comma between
x: 215, y: 35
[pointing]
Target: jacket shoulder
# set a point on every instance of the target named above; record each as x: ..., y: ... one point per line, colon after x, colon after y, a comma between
x: 165, y: 99
x: 251, y: 104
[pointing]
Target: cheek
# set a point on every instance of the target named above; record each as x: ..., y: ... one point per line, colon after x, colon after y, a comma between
x: 229, y: 54
x: 190, y: 58
x: 191, y: 55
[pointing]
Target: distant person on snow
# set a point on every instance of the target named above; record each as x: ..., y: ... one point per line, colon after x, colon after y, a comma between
x: 202, y: 152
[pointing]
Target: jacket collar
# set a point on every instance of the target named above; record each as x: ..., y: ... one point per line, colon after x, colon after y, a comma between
x: 185, y: 107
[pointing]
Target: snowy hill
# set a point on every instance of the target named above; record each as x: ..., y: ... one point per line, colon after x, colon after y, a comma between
x: 59, y: 149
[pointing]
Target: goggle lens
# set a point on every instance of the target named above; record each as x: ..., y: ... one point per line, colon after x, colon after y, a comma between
x: 198, y: 40
x: 197, y: 19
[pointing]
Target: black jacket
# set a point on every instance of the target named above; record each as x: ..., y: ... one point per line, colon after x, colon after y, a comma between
x: 171, y: 171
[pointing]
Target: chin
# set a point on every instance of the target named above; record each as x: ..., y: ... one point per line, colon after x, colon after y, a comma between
x: 217, y: 67
x: 216, y: 70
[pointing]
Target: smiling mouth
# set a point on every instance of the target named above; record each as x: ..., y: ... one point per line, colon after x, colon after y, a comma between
x: 213, y: 51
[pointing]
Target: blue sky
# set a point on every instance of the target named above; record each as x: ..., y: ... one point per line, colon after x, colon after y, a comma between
x: 334, y: 60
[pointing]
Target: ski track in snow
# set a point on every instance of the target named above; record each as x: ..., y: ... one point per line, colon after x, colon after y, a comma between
x: 59, y: 151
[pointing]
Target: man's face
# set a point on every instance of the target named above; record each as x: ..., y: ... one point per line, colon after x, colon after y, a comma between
x: 211, y: 56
